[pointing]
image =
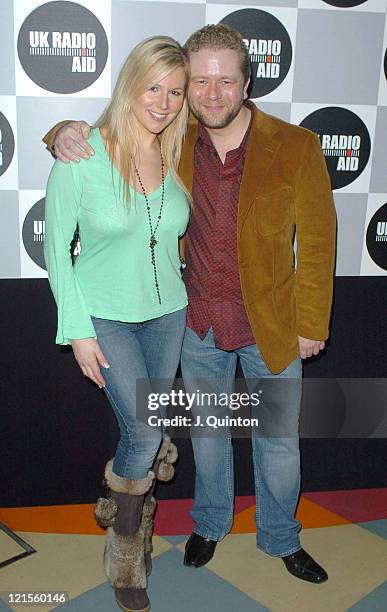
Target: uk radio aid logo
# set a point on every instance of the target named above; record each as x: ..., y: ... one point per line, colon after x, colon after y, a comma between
x: 345, y: 142
x: 62, y: 47
x: 33, y: 233
x: 7, y: 144
x: 376, y: 238
x: 269, y: 45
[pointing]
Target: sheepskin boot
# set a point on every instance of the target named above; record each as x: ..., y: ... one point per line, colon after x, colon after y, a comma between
x: 164, y: 471
x: 124, y: 556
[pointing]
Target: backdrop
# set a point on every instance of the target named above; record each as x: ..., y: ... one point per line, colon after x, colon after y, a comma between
x: 318, y: 63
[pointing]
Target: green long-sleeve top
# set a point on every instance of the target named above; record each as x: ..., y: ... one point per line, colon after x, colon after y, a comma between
x: 113, y: 277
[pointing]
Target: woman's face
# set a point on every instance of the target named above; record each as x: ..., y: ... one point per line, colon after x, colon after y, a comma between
x: 160, y: 104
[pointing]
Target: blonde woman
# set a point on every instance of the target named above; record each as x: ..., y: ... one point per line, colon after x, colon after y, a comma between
x: 122, y: 305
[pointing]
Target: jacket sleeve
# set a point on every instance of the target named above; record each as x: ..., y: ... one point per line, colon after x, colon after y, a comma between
x: 48, y: 139
x: 316, y: 239
x: 61, y: 214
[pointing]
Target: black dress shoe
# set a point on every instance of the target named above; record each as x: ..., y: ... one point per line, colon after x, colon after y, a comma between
x: 301, y: 565
x: 198, y: 550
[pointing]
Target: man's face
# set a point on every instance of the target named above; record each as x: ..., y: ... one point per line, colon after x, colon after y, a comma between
x: 216, y: 88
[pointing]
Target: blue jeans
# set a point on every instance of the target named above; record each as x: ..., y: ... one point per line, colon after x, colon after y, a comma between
x: 276, y: 458
x: 138, y: 351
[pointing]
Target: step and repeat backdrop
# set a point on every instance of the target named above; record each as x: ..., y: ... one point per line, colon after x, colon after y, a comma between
x: 318, y: 63
x: 321, y: 64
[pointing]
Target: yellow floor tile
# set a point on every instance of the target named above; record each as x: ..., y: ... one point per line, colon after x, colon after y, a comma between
x: 354, y: 558
x: 8, y: 547
x: 71, y: 563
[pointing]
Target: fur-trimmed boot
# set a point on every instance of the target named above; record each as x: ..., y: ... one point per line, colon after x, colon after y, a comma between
x: 164, y: 471
x: 124, y: 556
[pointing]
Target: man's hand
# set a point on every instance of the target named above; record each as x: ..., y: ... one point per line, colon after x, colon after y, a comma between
x: 308, y: 348
x: 89, y: 356
x: 70, y: 142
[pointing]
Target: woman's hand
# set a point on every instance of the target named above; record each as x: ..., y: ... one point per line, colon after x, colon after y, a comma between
x: 89, y: 357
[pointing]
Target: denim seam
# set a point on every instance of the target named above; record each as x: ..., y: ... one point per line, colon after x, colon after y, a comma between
x: 205, y: 535
x: 130, y: 434
x: 291, y: 551
x: 258, y: 486
x: 229, y: 459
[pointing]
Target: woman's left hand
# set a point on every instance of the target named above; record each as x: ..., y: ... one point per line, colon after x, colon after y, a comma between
x: 89, y: 356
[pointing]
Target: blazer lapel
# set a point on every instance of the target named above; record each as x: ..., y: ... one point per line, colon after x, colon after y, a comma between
x: 186, y: 165
x: 260, y: 155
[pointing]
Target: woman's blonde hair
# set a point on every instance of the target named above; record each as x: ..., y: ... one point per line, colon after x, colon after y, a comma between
x: 148, y: 63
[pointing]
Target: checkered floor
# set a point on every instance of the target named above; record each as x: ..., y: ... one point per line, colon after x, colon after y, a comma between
x: 346, y: 531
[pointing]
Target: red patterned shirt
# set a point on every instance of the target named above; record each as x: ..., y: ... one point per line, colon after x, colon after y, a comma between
x: 212, y: 275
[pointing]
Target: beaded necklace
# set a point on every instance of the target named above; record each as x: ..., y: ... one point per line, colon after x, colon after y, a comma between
x: 153, y: 230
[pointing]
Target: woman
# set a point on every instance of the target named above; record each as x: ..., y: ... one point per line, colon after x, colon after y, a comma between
x: 122, y: 305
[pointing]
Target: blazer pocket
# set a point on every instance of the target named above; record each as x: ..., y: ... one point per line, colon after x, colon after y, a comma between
x: 272, y: 212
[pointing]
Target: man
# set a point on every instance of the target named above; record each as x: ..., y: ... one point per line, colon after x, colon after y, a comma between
x: 254, y: 179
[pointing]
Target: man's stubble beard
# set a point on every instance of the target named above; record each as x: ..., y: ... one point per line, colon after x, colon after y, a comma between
x: 224, y: 122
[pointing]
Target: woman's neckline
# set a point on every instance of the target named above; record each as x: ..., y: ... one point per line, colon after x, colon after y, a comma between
x: 132, y: 190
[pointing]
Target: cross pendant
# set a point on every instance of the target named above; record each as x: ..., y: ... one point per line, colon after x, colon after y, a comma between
x: 152, y: 242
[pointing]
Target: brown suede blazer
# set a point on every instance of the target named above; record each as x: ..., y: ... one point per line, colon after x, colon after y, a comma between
x: 285, y: 186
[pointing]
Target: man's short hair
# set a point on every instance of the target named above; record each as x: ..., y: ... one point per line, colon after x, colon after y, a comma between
x: 220, y: 36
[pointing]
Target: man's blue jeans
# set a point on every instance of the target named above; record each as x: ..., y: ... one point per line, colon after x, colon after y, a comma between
x: 138, y: 351
x: 276, y: 458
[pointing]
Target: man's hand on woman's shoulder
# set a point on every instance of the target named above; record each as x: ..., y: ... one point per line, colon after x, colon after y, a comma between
x: 70, y: 142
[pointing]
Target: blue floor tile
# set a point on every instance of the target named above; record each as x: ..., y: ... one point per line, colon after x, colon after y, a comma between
x: 99, y: 599
x: 173, y: 588
x: 373, y: 602
x: 176, y: 539
x: 377, y: 527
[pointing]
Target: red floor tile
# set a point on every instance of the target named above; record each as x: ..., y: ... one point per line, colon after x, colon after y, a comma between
x: 356, y: 505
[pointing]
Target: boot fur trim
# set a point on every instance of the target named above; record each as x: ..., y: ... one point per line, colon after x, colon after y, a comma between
x: 119, y: 484
x: 124, y: 559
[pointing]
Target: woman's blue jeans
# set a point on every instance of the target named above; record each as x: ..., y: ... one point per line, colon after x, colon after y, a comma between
x: 147, y: 351
x: 275, y: 455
